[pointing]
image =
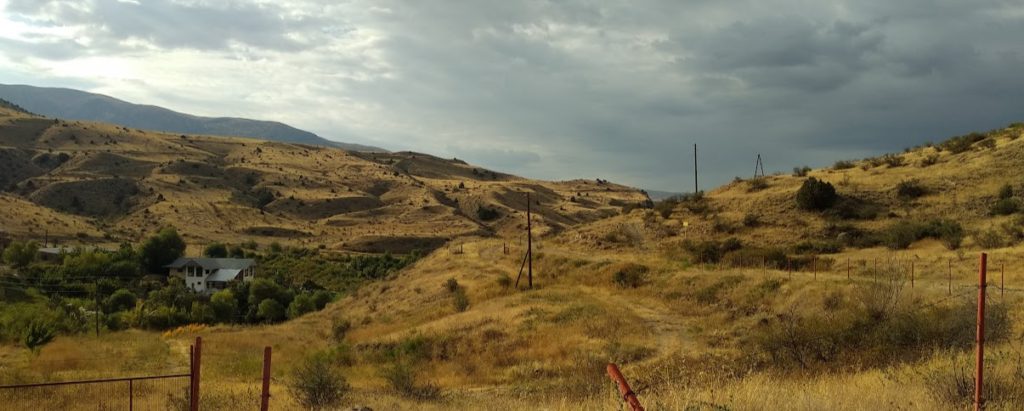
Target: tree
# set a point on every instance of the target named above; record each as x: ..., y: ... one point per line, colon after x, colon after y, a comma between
x: 120, y: 300
x: 816, y: 195
x: 224, y: 305
x: 216, y: 250
x: 261, y: 289
x: 161, y: 249
x: 302, y: 304
x: 270, y: 311
x: 321, y: 298
x: 19, y: 254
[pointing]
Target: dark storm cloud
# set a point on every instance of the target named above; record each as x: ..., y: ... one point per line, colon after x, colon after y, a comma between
x: 614, y: 89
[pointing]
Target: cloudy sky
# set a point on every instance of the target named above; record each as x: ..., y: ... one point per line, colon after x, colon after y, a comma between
x: 553, y: 89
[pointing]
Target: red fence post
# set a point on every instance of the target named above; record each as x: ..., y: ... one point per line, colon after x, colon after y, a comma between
x: 979, y: 366
x: 265, y: 398
x: 197, y: 357
x: 627, y: 393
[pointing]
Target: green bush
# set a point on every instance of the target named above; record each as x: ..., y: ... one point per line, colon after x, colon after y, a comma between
x: 818, y: 247
x: 504, y: 281
x: 302, y: 304
x: 1005, y: 192
x: 706, y: 251
x: 816, y: 195
x: 271, y: 311
x: 893, y: 160
x: 801, y: 171
x: 316, y: 385
x: 950, y: 232
x: 900, y: 235
x: 929, y: 160
x: 37, y: 335
x: 751, y: 220
x: 321, y: 298
x: 753, y: 257
x: 224, y: 306
x: 120, y: 300
x: 20, y: 254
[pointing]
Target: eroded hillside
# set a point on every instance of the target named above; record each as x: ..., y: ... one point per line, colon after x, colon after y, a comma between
x: 97, y: 182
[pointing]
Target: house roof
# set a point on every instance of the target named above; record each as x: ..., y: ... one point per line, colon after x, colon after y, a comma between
x: 214, y: 263
x: 224, y: 274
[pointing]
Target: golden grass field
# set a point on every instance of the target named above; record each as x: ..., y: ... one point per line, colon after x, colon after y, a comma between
x: 682, y: 336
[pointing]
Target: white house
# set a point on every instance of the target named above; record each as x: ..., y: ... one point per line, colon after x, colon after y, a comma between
x: 207, y: 275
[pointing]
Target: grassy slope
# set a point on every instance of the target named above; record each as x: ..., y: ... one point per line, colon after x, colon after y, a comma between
x: 674, y: 334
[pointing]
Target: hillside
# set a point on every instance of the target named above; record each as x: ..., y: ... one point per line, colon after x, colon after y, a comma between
x: 96, y: 182
x: 79, y: 105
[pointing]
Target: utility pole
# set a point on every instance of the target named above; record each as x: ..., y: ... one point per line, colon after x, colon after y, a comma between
x: 758, y: 165
x: 695, y: 187
x: 979, y: 365
x: 96, y: 293
x: 529, y: 243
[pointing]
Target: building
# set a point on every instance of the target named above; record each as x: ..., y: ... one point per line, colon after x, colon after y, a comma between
x: 207, y: 275
x: 56, y: 254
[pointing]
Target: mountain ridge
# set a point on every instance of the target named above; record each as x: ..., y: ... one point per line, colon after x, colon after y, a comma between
x: 72, y: 104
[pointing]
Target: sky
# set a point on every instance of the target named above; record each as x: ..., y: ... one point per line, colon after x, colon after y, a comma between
x: 618, y: 90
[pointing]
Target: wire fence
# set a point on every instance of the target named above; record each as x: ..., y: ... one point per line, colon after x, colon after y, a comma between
x: 163, y: 392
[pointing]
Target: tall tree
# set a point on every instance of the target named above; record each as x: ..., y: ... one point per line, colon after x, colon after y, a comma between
x: 161, y: 249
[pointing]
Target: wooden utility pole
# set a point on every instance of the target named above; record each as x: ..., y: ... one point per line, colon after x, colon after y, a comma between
x: 96, y: 294
x: 979, y: 365
x: 529, y: 243
x: 265, y: 396
x: 696, y: 189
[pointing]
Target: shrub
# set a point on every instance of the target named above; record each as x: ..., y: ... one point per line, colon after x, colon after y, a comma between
x: 818, y: 247
x: 989, y: 239
x: 815, y: 195
x: 38, y: 334
x: 339, y: 328
x: 487, y: 213
x: 893, y: 160
x: 961, y: 144
x: 1005, y: 192
x: 900, y: 235
x: 850, y: 208
x: 451, y: 285
x: 120, y: 300
x: 988, y: 143
x: 216, y: 250
x: 224, y: 306
x: 757, y: 184
x: 950, y: 232
x: 1005, y: 206
x: 401, y: 377
x: 801, y: 171
x: 909, y: 189
x: 504, y: 281
x: 929, y: 160
x: 843, y: 165
x: 631, y: 276
x: 460, y: 300
x: 316, y: 385
x: 753, y: 257
x: 706, y: 251
x: 751, y: 220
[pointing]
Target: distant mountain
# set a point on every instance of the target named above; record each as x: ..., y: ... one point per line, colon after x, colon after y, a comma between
x: 79, y: 105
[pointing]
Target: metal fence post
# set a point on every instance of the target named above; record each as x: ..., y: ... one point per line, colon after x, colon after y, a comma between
x: 627, y: 393
x: 197, y: 361
x: 265, y: 397
x: 979, y: 365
